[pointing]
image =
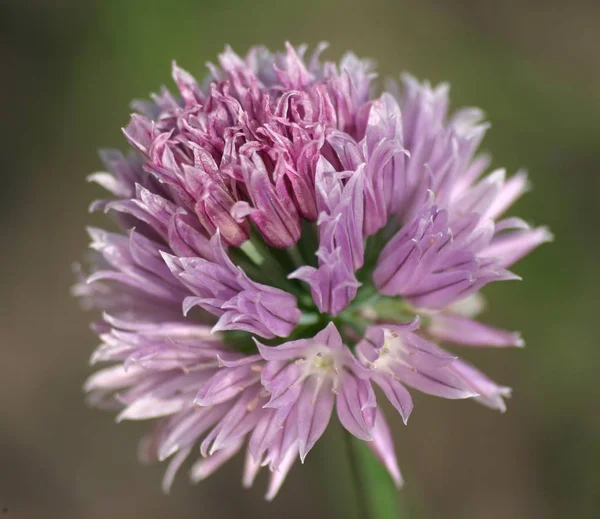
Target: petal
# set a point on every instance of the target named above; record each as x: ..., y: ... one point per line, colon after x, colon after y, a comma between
x: 490, y: 394
x: 286, y: 351
x: 437, y: 382
x: 251, y: 468
x: 397, y: 394
x: 512, y: 247
x: 465, y: 331
x: 280, y: 473
x: 173, y: 468
x: 313, y: 411
x: 349, y: 409
x: 204, y: 467
x: 383, y: 448
x: 226, y: 384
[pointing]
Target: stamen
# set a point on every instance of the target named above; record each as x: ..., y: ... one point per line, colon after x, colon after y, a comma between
x: 253, y: 404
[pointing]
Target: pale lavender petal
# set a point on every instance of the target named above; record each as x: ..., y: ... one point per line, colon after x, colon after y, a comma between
x: 440, y: 383
x: 383, y: 448
x: 241, y: 418
x: 512, y: 247
x: 511, y: 191
x: 489, y: 393
x: 251, y: 469
x: 173, y: 468
x: 226, y: 384
x: 397, y: 394
x: 285, y: 351
x: 279, y: 474
x: 205, y: 467
x: 313, y: 411
x: 188, y: 429
x: 349, y: 409
x: 264, y: 433
x: 465, y: 331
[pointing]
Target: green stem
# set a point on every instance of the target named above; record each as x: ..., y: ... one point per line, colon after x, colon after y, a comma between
x: 296, y: 256
x: 357, y: 477
x: 376, y: 494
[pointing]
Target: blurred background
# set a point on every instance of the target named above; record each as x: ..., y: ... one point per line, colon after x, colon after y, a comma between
x: 69, y: 70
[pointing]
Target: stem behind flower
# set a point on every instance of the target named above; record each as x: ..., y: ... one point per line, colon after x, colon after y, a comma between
x: 376, y: 495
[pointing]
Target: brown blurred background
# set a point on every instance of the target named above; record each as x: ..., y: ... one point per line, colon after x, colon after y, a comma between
x: 69, y: 70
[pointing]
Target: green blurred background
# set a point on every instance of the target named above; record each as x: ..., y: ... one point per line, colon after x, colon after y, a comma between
x: 69, y: 70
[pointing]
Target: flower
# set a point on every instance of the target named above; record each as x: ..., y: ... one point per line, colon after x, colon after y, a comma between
x: 291, y: 238
x: 305, y: 378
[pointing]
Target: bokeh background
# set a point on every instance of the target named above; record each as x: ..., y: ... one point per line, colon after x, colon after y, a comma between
x: 69, y: 70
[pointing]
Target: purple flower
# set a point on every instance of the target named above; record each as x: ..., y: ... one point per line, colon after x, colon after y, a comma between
x: 305, y: 378
x: 398, y: 356
x: 290, y: 236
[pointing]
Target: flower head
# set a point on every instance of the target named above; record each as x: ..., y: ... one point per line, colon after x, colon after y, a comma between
x: 291, y: 237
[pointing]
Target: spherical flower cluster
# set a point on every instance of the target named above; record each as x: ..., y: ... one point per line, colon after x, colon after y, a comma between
x: 290, y: 239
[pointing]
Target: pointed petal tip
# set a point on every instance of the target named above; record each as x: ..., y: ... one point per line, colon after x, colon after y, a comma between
x: 519, y: 342
x: 405, y: 415
x: 93, y: 278
x: 302, y: 451
x: 163, y: 454
x: 547, y: 235
x: 218, y: 327
x: 468, y: 393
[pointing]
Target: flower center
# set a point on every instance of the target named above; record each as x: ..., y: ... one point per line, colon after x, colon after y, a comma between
x: 320, y: 362
x: 391, y: 352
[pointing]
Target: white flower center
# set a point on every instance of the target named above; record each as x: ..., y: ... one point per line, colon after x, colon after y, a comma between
x: 320, y: 361
x: 323, y: 364
x: 391, y: 353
